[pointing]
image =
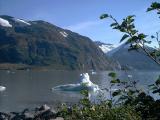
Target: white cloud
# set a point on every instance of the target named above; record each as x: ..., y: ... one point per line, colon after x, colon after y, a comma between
x: 83, y: 25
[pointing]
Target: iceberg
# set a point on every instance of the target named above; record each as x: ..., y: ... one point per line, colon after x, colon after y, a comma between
x: 2, y: 88
x: 95, y: 94
x: 84, y: 84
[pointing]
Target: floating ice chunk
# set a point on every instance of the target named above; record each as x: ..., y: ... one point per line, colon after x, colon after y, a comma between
x: 84, y: 84
x: 130, y: 76
x: 94, y: 92
x: 4, y: 23
x: 8, y: 71
x: 93, y: 72
x: 2, y: 88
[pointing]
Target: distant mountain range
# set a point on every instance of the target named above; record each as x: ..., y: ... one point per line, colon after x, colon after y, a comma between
x: 133, y: 60
x: 35, y: 44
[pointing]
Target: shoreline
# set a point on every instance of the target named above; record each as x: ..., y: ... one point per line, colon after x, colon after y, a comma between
x: 43, y: 112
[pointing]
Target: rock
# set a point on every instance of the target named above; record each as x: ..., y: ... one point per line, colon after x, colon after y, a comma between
x: 42, y: 113
x: 24, y: 115
x: 58, y: 118
x: 44, y: 107
x: 46, y: 114
x: 29, y: 116
x: 4, y: 116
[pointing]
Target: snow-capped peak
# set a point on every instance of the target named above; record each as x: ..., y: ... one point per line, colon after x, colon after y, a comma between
x: 20, y: 20
x: 106, y: 47
x: 4, y: 23
x: 63, y: 33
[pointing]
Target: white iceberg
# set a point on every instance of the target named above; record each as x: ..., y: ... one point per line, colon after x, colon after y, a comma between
x: 84, y: 84
x: 2, y: 88
x: 95, y: 94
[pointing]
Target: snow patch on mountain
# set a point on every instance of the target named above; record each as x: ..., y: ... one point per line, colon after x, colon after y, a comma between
x: 64, y: 34
x: 106, y: 47
x: 4, y: 23
x: 20, y: 20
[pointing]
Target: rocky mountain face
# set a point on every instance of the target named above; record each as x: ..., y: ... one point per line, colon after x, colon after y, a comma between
x: 134, y: 59
x: 39, y: 43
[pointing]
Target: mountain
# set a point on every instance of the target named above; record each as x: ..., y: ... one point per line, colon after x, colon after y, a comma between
x: 42, y: 44
x: 132, y: 60
x: 104, y: 46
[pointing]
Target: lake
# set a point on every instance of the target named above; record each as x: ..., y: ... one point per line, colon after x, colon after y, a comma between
x: 29, y: 89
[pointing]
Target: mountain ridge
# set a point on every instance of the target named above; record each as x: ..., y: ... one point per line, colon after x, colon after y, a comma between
x: 40, y: 43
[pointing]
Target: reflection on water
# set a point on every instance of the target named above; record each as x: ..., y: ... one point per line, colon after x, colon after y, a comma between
x: 29, y: 89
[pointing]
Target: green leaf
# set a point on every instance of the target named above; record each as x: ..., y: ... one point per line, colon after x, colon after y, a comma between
x: 154, y: 88
x: 154, y: 6
x: 115, y: 81
x: 131, y: 92
x: 131, y: 16
x: 152, y: 36
x: 112, y: 74
x: 130, y: 21
x: 132, y: 39
x: 122, y: 29
x: 158, y: 81
x: 116, y: 93
x: 84, y: 92
x: 132, y: 26
x: 124, y: 24
x: 134, y: 32
x: 117, y: 27
x: 149, y: 9
x: 152, y: 85
x: 135, y: 38
x: 142, y: 36
x: 114, y: 24
x: 104, y: 16
x: 156, y: 91
x: 133, y: 47
x: 124, y: 37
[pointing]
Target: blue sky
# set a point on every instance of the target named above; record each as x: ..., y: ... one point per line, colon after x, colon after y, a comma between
x: 82, y: 16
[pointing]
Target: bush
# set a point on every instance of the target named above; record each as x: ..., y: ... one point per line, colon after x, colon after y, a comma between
x: 99, y: 112
x: 86, y: 110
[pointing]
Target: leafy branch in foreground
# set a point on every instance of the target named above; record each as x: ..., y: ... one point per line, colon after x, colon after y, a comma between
x: 154, y: 6
x: 131, y: 35
x: 125, y: 89
x: 86, y: 110
x: 155, y: 88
